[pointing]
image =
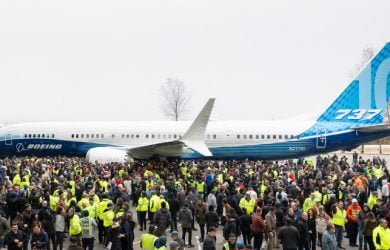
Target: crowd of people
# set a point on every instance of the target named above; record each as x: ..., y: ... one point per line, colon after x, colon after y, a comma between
x: 256, y: 204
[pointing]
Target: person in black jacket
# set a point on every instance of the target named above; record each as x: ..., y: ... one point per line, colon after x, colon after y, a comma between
x: 303, y: 229
x: 289, y: 236
x: 48, y: 224
x: 14, y: 238
x: 115, y: 236
x: 39, y: 239
x: 246, y: 221
x: 231, y: 227
x: 174, y: 207
x: 211, y: 218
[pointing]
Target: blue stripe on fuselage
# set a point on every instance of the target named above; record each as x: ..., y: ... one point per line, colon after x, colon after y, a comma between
x: 272, y: 151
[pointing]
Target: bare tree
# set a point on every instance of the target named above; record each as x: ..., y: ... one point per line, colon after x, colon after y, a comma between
x: 174, y: 99
x: 367, y: 54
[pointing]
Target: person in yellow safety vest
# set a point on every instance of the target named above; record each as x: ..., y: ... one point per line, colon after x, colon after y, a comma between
x: 142, y: 209
x: 309, y: 202
x: 154, y: 204
x: 372, y: 199
x: 381, y: 235
x: 160, y: 243
x: 74, y: 226
x: 162, y: 199
x: 53, y: 201
x: 339, y: 217
x: 25, y: 181
x: 377, y: 172
x: 149, y: 184
x: 275, y: 174
x: 191, y: 183
x: 104, y: 185
x: 183, y: 169
x: 148, y: 240
x: 317, y: 194
x: 341, y: 191
x: 231, y: 243
x: 263, y: 187
x: 200, y: 188
x: 84, y: 199
x: 108, y: 217
x: 70, y: 201
x: 16, y: 180
x: 100, y: 215
x: 88, y: 228
x: 248, y: 203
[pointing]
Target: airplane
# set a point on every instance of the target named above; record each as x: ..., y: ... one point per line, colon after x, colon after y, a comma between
x: 359, y: 115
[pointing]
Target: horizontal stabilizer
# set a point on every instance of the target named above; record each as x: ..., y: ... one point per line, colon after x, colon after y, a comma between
x: 374, y: 129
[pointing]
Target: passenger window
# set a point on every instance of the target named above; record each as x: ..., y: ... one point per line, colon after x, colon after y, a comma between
x: 164, y: 136
x: 92, y: 136
x: 286, y: 137
x: 87, y: 136
x: 263, y: 137
x: 174, y: 136
x: 97, y: 136
x: 102, y: 136
x: 38, y: 135
x: 147, y: 136
x: 123, y: 136
x: 132, y: 136
x: 250, y: 137
x: 214, y: 136
x: 112, y: 136
x: 292, y: 136
x: 77, y: 135
x: 52, y: 135
x: 244, y: 137
x: 137, y: 136
x: 274, y: 137
x: 82, y: 135
x: 257, y: 137
x: 127, y: 136
x: 169, y: 136
x: 158, y: 136
x: 268, y: 136
x: 238, y: 136
x: 33, y: 135
x: 280, y: 136
x: 43, y: 135
x: 29, y: 136
x: 25, y: 135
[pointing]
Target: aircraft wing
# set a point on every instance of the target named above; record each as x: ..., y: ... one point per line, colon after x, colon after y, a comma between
x: 194, y: 138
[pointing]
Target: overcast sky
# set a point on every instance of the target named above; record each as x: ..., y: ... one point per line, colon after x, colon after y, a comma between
x: 106, y: 60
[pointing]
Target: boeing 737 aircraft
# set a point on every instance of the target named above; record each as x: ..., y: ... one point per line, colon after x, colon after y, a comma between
x: 357, y: 116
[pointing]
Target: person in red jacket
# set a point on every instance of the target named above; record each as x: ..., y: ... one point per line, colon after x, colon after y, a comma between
x: 352, y: 224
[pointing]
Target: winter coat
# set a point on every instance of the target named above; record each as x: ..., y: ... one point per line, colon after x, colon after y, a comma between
x: 211, y: 219
x: 200, y: 213
x: 185, y: 217
x: 162, y: 219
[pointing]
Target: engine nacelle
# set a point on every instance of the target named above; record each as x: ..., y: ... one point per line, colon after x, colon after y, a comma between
x: 107, y: 155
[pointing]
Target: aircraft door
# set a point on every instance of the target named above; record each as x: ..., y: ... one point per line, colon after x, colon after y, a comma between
x: 321, y: 138
x: 8, y: 139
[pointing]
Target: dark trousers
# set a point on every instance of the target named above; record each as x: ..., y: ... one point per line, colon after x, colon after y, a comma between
x: 52, y: 237
x: 142, y: 220
x: 246, y: 237
x: 151, y: 217
x: 257, y: 240
x: 26, y: 240
x: 352, y: 228
x: 202, y: 231
x: 313, y: 241
x: 189, y: 230
x: 339, y: 235
x: 320, y: 239
x: 59, y: 240
x: 303, y: 244
x: 370, y: 242
x: 101, y: 231
x: 88, y: 243
x: 174, y: 222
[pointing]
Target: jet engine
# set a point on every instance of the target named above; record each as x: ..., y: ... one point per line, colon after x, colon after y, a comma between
x: 107, y: 155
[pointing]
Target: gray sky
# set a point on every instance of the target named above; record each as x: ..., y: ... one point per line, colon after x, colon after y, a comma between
x: 106, y: 60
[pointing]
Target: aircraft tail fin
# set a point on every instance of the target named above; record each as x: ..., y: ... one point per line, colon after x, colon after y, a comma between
x: 364, y: 101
